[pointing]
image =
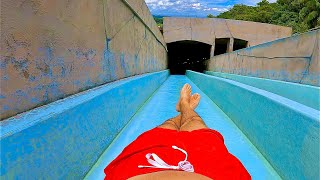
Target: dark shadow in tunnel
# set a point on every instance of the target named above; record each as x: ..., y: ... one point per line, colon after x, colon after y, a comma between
x: 239, y: 44
x: 221, y: 46
x: 187, y: 55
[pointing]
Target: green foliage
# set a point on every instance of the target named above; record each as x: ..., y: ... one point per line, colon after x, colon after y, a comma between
x: 301, y: 15
x: 210, y: 16
x: 159, y: 20
x: 263, y: 3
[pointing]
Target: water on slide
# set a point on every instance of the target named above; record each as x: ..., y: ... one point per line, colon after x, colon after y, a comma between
x: 161, y: 106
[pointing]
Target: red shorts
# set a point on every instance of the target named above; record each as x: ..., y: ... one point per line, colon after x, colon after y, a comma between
x: 205, y: 147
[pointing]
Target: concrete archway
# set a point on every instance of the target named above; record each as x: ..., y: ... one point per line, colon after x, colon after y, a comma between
x: 187, y: 55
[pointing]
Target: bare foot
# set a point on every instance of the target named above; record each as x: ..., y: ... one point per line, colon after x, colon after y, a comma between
x: 184, y: 93
x: 194, y: 102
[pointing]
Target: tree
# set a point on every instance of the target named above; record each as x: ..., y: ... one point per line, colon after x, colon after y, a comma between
x: 301, y: 15
x: 210, y: 16
x: 310, y: 13
x: 263, y: 3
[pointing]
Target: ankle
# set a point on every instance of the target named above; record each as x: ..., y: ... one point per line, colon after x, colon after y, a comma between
x: 184, y: 102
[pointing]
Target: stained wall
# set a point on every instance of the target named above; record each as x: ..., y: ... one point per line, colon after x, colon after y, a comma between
x: 294, y: 59
x: 206, y: 30
x: 56, y: 48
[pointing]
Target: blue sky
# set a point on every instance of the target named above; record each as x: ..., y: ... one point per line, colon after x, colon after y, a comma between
x: 194, y: 8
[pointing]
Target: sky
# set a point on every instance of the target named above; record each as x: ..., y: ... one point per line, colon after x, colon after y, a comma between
x: 194, y: 8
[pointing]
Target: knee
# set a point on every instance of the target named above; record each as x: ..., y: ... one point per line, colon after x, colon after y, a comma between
x: 194, y: 120
x: 171, y: 123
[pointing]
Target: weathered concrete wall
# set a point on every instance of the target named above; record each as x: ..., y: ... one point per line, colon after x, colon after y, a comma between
x: 206, y: 30
x: 294, y: 59
x: 55, y: 48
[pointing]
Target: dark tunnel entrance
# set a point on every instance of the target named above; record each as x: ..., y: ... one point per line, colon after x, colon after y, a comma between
x: 239, y: 44
x: 187, y: 55
x: 221, y: 46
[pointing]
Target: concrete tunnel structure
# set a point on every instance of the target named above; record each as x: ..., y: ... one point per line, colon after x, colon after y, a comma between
x: 80, y: 81
x: 192, y: 41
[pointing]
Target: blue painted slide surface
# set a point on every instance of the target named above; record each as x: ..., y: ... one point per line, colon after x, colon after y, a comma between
x: 64, y: 139
x: 304, y: 94
x: 284, y: 131
x: 80, y: 135
x: 161, y: 106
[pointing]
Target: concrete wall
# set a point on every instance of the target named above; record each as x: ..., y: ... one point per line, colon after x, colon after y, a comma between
x: 63, y: 139
x: 294, y: 59
x: 55, y: 48
x: 206, y: 30
x: 284, y: 131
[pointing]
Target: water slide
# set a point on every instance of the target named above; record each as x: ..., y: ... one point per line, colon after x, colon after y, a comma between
x: 161, y: 106
x: 82, y: 79
x: 274, y: 134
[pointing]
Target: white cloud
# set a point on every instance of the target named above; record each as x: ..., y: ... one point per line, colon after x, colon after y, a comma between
x: 216, y: 9
x: 194, y: 7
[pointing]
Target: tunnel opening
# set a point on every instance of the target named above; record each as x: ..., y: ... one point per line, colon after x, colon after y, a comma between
x: 187, y: 55
x: 239, y: 44
x: 221, y: 46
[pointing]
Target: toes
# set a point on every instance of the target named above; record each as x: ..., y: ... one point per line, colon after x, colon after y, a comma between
x: 193, y: 97
x: 196, y: 96
x: 187, y: 88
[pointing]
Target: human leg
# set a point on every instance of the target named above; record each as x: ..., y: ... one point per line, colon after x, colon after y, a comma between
x: 175, y: 123
x: 172, y: 123
x: 190, y: 120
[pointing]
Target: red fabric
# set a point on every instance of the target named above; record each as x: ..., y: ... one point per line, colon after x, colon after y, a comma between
x: 205, y: 147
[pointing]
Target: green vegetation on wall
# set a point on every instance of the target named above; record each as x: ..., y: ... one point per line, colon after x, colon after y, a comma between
x: 159, y: 20
x: 210, y: 16
x: 301, y: 15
